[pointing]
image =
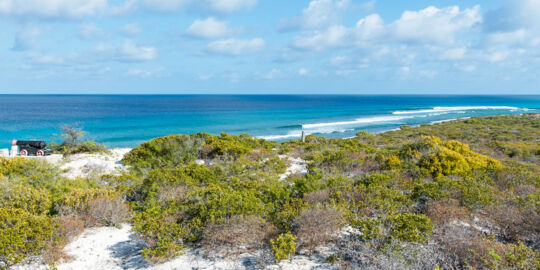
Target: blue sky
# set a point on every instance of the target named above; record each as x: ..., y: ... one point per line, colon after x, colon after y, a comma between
x: 270, y: 46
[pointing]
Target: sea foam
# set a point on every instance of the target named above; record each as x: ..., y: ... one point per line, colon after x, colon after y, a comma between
x: 459, y: 108
x: 366, y: 120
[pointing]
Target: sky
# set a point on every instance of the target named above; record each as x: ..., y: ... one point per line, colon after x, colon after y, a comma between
x: 269, y: 47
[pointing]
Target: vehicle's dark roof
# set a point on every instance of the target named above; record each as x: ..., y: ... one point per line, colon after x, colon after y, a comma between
x: 35, y: 144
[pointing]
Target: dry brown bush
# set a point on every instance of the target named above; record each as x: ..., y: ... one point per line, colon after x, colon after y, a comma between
x: 238, y: 234
x: 317, y: 226
x: 67, y: 229
x: 514, y: 224
x: 105, y: 211
x: 443, y: 212
x: 370, y: 166
x: 465, y: 248
x: 315, y: 197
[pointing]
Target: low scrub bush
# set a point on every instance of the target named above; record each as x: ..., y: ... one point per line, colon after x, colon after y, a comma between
x: 105, y: 211
x: 22, y: 235
x: 411, y: 227
x: 238, y: 234
x: 36, y: 201
x: 317, y: 226
x: 284, y: 246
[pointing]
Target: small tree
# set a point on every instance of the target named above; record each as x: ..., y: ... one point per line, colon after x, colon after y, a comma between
x: 72, y: 134
x: 73, y: 142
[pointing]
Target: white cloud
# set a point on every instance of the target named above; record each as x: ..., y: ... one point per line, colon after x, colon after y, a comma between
x: 124, y: 8
x: 303, y: 71
x: 514, y: 15
x: 53, y: 8
x: 228, y: 6
x: 26, y: 37
x: 131, y: 29
x: 318, y: 14
x: 434, y: 25
x: 335, y: 36
x: 236, y: 46
x: 431, y: 26
x: 368, y: 30
x: 90, y: 31
x: 209, y: 29
x: 131, y: 52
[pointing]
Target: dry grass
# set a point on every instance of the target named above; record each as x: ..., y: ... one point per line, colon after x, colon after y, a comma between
x: 237, y: 235
x: 317, y: 197
x: 317, y: 226
x: 68, y: 228
x: 105, y: 211
x: 446, y: 211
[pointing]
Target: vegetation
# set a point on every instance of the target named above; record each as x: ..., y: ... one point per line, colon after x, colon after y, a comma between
x: 73, y: 142
x: 462, y: 194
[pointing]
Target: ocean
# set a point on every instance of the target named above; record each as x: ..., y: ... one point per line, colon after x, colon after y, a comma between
x: 128, y: 120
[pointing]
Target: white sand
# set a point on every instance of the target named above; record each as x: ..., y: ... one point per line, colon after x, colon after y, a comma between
x: 296, y: 166
x: 109, y: 248
x: 80, y: 165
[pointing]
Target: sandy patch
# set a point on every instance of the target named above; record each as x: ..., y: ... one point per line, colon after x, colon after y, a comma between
x: 296, y: 166
x: 81, y: 165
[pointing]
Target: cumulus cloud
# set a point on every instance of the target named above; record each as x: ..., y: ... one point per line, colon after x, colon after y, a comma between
x: 236, y: 46
x: 209, y: 29
x: 319, y: 13
x: 430, y: 26
x: 368, y: 30
x: 126, y: 52
x: 335, y: 36
x: 52, y: 8
x: 434, y: 25
x: 131, y: 52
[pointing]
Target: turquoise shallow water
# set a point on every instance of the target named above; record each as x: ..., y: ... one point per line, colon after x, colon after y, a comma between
x: 128, y: 120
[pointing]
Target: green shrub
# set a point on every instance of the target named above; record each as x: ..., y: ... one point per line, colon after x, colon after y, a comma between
x: 76, y: 201
x: 283, y: 247
x: 22, y: 234
x: 411, y: 227
x: 429, y: 190
x: 162, y: 232
x: 369, y: 228
x: 36, y: 201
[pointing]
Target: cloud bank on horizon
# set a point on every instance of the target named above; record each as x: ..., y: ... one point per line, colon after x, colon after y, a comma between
x: 280, y: 46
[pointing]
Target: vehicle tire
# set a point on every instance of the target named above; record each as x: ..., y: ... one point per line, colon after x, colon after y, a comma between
x: 23, y: 153
x: 40, y: 153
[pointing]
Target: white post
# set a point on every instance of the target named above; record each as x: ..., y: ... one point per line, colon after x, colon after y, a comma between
x: 303, y: 136
x: 14, y: 149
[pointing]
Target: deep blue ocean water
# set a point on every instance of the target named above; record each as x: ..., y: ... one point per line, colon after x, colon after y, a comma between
x: 128, y: 120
